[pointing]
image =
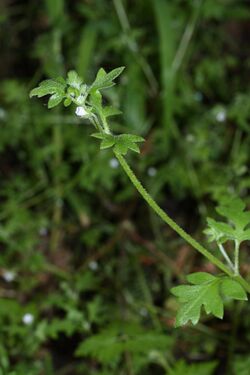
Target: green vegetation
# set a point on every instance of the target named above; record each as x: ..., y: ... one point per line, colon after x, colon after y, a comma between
x: 89, y: 275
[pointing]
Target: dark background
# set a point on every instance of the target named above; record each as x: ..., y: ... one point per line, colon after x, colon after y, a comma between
x: 85, y: 266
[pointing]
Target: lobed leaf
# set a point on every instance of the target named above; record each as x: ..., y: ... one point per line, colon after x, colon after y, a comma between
x: 239, y: 220
x: 48, y: 87
x: 232, y: 289
x: 122, y: 143
x: 233, y: 210
x: 208, y: 292
x: 74, y: 80
x: 109, y: 345
x: 54, y: 87
x: 104, y: 80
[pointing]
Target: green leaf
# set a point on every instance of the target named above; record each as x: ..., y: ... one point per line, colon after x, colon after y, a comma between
x: 238, y: 221
x: 111, y: 111
x: 232, y: 289
x: 181, y: 367
x: 54, y: 100
x: 194, y: 297
x: 104, y: 80
x: 98, y: 135
x: 107, y: 142
x: 200, y: 278
x: 74, y: 80
x: 233, y: 210
x: 219, y: 231
x: 208, y: 292
x: 108, y: 346
x: 122, y: 143
x: 55, y: 87
x: 96, y: 100
x: 67, y: 102
x: 241, y: 364
x: 125, y: 142
x: 49, y: 86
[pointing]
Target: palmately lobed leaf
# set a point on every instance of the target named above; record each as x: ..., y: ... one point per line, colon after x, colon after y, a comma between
x: 209, y: 292
x: 239, y: 220
x: 122, y: 143
x: 194, y: 297
x: 125, y: 142
x: 233, y: 210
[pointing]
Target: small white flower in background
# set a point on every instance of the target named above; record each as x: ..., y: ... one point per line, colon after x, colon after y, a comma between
x: 81, y: 112
x: 113, y: 163
x: 86, y: 326
x: 152, y: 171
x: 43, y: 231
x: 2, y: 114
x: 93, y: 265
x: 221, y: 116
x: 154, y: 355
x: 143, y: 312
x: 28, y: 319
x: 8, y: 276
x: 190, y: 138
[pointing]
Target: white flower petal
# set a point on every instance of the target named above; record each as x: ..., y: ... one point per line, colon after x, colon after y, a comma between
x: 28, y: 319
x: 81, y: 111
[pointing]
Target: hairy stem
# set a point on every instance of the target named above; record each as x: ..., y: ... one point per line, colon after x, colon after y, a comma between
x: 164, y: 216
x: 228, y: 260
x: 236, y: 258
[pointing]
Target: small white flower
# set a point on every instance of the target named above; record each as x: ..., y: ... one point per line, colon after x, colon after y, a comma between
x: 221, y: 116
x: 152, y: 171
x: 143, y: 312
x: 81, y: 112
x: 43, y: 231
x: 2, y: 114
x: 113, y: 163
x: 28, y: 319
x: 190, y: 138
x: 86, y: 326
x: 9, y: 276
x: 93, y: 265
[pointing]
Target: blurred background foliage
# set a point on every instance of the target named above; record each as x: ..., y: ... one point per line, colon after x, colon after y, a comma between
x: 85, y: 266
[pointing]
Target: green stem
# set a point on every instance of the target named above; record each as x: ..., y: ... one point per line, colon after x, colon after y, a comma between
x: 236, y: 258
x: 164, y: 216
x: 228, y: 260
x: 105, y: 125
